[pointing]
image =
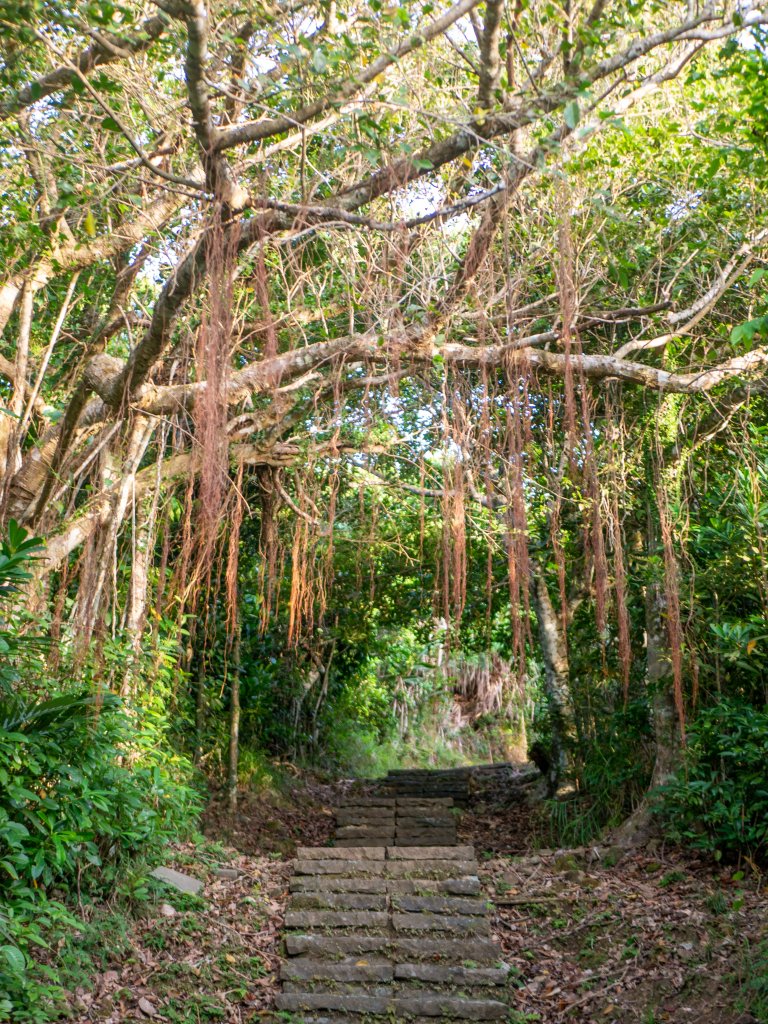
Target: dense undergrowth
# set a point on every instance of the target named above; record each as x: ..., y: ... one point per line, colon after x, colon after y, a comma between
x: 95, y: 789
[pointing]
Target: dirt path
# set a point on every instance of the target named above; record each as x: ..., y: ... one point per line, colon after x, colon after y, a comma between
x: 659, y: 938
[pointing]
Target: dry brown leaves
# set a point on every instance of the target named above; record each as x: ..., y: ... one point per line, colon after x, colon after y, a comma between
x: 656, y: 937
x: 215, y: 957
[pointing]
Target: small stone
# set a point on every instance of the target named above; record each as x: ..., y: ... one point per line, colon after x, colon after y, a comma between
x: 147, y: 1008
x: 166, y: 910
x: 180, y: 881
x: 231, y: 874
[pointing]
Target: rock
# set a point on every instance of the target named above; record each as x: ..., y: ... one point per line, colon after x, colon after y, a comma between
x: 228, y: 873
x: 147, y: 1008
x: 180, y: 881
x: 166, y: 910
x: 613, y: 855
x: 565, y: 862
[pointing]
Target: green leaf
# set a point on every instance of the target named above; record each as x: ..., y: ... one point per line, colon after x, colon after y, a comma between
x: 110, y: 124
x: 319, y: 60
x: 747, y: 331
x: 15, y: 959
x: 572, y: 114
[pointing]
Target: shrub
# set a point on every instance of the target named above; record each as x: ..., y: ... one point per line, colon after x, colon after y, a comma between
x: 79, y: 796
x: 719, y: 799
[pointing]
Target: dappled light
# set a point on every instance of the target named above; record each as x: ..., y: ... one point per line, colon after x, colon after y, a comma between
x: 383, y: 511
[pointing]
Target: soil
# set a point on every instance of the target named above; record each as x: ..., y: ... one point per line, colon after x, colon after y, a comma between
x: 657, y: 936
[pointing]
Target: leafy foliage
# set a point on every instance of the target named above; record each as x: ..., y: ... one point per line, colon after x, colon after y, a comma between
x: 719, y: 801
x: 16, y: 552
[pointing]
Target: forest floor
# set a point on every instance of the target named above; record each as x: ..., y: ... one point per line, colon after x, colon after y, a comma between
x: 657, y: 937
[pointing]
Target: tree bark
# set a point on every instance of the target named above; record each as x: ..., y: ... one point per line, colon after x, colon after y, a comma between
x: 234, y: 722
x: 659, y: 674
x: 556, y: 684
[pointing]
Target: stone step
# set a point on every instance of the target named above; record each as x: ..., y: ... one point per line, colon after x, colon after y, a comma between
x: 342, y: 1018
x: 410, y: 802
x: 344, y: 844
x: 428, y: 868
x: 361, y: 852
x: 438, y: 1004
x: 295, y: 1002
x: 339, y: 901
x: 311, y: 919
x: 429, y: 886
x: 416, y: 839
x: 469, y: 951
x: 311, y: 969
x: 439, y: 904
x: 428, y: 1005
x: 332, y: 946
x: 336, y: 883
x: 337, y: 988
x: 365, y: 832
x: 367, y: 801
x: 353, y: 817
x: 460, y: 853
x: 423, y: 922
x: 336, y: 866
x: 412, y: 818
x: 452, y: 974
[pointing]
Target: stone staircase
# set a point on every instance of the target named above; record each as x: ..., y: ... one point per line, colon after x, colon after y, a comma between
x: 462, y: 785
x: 390, y: 923
x: 396, y: 821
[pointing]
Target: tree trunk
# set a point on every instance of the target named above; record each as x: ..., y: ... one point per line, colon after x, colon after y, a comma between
x: 200, y: 703
x: 556, y: 684
x: 640, y: 826
x: 658, y: 673
x: 234, y: 723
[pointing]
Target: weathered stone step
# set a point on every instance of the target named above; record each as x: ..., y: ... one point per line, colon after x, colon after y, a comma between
x: 365, y: 832
x: 306, y: 968
x: 419, y: 839
x: 429, y: 868
x: 366, y: 989
x: 336, y: 919
x: 452, y: 974
x: 367, y: 801
x: 438, y: 1004
x: 460, y: 853
x: 335, y: 866
x: 467, y: 950
x: 331, y: 946
x: 413, y: 818
x: 298, y: 1001
x: 428, y: 886
x: 439, y: 904
x: 345, y: 844
x: 338, y: 901
x: 401, y: 802
x: 331, y: 853
x: 336, y: 883
x: 364, y: 817
x: 428, y: 1004
x: 423, y: 922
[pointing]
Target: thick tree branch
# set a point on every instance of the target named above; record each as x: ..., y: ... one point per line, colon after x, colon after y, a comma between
x: 106, y: 49
x: 260, y: 130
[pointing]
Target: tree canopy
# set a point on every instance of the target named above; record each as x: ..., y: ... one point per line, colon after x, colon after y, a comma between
x: 323, y: 321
